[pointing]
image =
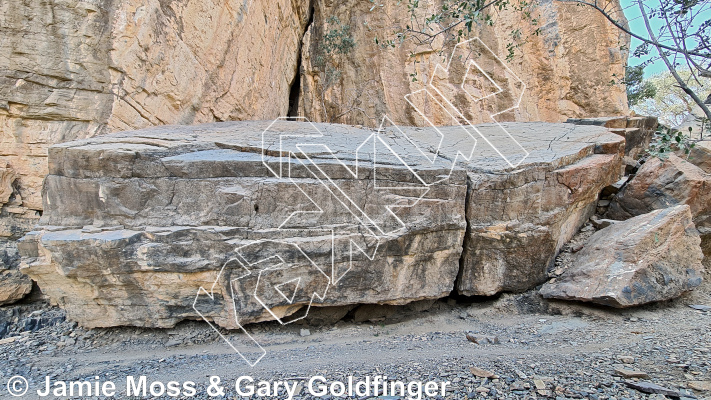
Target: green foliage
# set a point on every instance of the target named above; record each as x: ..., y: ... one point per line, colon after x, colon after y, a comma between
x: 668, y: 140
x: 669, y: 102
x: 336, y: 41
x: 637, y: 88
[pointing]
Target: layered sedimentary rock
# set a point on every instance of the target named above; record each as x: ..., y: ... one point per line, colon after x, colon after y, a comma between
x: 648, y: 258
x: 518, y: 221
x: 637, y: 131
x: 76, y: 69
x: 136, y: 222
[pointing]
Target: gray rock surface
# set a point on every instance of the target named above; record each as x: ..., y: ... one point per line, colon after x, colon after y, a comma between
x: 637, y: 131
x: 652, y: 257
x: 136, y: 222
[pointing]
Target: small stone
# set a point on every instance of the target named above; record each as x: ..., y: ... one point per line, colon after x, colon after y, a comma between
x: 701, y: 386
x: 482, y: 389
x: 601, y: 223
x: 540, y: 385
x: 626, y: 359
x: 482, y: 339
x: 8, y: 340
x: 700, y: 307
x: 628, y: 373
x: 305, y: 332
x: 649, y: 388
x: 482, y: 373
x: 576, y: 247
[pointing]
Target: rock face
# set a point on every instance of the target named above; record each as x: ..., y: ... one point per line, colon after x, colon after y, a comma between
x: 71, y: 70
x: 556, y: 66
x: 13, y: 286
x: 136, y: 222
x: 700, y: 156
x: 518, y: 222
x: 652, y: 257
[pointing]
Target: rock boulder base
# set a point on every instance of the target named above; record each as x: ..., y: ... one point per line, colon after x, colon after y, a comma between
x: 652, y: 257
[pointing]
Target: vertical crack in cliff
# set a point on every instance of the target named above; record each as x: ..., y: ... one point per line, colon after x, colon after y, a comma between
x: 467, y: 235
x: 295, y: 89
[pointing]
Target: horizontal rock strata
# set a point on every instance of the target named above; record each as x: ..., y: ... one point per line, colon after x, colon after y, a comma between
x: 269, y: 218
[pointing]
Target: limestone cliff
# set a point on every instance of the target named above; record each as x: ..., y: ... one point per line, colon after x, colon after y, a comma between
x: 73, y: 69
x: 567, y: 68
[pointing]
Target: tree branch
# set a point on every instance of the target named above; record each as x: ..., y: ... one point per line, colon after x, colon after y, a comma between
x: 623, y: 28
x: 671, y: 68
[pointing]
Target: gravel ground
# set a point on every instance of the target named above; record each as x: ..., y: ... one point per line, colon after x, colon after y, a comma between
x: 528, y: 348
x: 545, y: 350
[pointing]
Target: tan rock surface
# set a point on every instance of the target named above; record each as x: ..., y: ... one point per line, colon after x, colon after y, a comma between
x: 136, y: 222
x: 665, y: 183
x: 637, y: 131
x: 648, y: 258
x: 72, y: 70
x: 567, y: 68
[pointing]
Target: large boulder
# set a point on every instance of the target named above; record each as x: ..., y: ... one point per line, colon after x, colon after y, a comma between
x: 269, y: 218
x: 518, y: 222
x: 648, y: 258
x: 76, y: 69
x: 637, y: 131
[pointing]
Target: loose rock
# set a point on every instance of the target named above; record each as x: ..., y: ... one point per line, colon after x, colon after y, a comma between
x: 648, y: 258
x: 14, y: 286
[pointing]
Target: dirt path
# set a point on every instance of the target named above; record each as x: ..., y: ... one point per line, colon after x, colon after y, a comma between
x: 540, y: 354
